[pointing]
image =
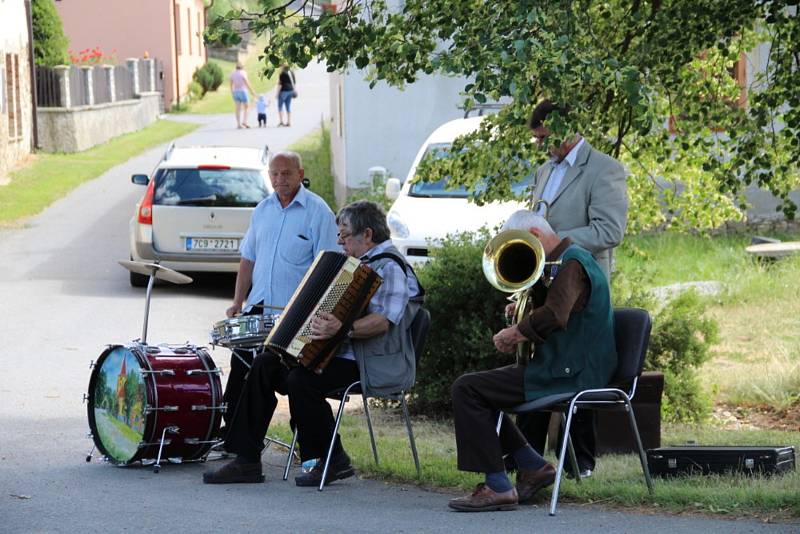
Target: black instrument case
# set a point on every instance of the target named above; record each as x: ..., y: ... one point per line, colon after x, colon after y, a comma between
x: 704, y: 460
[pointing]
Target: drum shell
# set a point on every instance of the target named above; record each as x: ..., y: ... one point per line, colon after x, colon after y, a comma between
x: 183, y: 393
x: 243, y: 331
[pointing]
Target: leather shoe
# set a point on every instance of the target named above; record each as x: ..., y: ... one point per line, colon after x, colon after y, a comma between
x: 235, y: 472
x: 339, y: 468
x: 485, y: 499
x: 530, y: 481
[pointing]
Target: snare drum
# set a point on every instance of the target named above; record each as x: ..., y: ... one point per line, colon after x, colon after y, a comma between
x: 143, y: 395
x: 244, y: 331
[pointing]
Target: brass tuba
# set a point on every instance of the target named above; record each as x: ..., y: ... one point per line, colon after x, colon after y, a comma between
x: 513, y: 261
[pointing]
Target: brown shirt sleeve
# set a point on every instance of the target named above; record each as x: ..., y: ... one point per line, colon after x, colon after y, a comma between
x: 568, y: 293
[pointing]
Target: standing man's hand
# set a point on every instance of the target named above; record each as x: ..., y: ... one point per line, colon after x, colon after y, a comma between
x: 234, y: 310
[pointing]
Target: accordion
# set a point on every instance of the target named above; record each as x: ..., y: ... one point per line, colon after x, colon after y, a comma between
x: 335, y: 283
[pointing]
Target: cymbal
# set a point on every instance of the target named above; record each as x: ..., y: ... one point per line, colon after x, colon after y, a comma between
x: 161, y: 272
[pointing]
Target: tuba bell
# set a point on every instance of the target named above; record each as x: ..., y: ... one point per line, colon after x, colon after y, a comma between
x: 513, y: 261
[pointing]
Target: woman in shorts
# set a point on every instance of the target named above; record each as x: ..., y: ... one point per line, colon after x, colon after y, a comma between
x: 240, y: 86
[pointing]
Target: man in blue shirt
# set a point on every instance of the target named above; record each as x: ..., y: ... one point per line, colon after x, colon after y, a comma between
x: 287, y: 231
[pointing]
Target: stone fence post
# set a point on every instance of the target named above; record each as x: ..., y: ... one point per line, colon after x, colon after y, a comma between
x: 110, y: 84
x: 133, y: 67
x: 88, y: 78
x: 149, y: 65
x: 62, y: 71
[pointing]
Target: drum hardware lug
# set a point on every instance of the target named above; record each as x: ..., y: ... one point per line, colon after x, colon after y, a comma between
x: 91, y: 364
x: 168, y: 372
x: 203, y: 407
x: 145, y: 444
x: 152, y: 349
x: 191, y: 372
x: 85, y: 398
x: 90, y: 435
x: 198, y: 441
x: 148, y: 409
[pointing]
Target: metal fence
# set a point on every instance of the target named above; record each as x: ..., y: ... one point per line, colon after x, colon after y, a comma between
x: 48, y: 90
x: 49, y: 84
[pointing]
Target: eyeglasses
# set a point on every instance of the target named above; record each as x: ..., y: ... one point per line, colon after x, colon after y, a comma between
x: 343, y: 236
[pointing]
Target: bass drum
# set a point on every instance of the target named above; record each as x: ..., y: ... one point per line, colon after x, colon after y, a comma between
x: 141, y: 395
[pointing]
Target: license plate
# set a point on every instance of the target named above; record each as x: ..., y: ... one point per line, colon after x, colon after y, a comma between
x: 212, y: 244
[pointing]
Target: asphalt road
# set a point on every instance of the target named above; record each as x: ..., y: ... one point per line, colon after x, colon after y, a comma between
x: 64, y: 298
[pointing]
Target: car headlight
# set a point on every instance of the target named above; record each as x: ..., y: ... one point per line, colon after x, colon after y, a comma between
x: 396, y: 225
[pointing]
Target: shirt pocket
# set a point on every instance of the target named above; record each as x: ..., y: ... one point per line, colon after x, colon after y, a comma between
x: 297, y: 251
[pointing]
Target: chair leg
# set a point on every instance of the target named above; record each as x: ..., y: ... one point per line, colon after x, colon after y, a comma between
x: 410, y: 432
x: 369, y: 426
x: 573, y: 459
x: 642, y: 455
x: 333, y: 439
x: 561, y: 458
x: 291, y: 454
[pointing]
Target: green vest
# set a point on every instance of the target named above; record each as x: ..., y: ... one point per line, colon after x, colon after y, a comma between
x: 584, y: 356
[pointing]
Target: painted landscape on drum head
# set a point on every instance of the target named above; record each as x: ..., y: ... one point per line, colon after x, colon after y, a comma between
x: 119, y: 401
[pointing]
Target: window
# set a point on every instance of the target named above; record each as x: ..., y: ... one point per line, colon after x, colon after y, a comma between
x: 209, y: 187
x: 178, y: 43
x: 12, y: 100
x: 189, y: 29
x: 2, y: 85
x: 199, y: 33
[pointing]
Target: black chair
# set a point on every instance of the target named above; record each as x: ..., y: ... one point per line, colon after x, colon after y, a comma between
x: 419, y: 333
x: 632, y: 334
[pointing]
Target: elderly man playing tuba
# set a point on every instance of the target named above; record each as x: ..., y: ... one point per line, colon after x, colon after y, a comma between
x: 571, y: 328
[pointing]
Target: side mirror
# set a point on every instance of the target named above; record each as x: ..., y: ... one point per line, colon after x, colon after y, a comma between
x: 393, y: 187
x: 140, y: 179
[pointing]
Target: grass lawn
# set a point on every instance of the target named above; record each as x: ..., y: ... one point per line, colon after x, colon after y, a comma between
x: 757, y: 361
x: 51, y: 176
x: 220, y: 101
x: 315, y: 151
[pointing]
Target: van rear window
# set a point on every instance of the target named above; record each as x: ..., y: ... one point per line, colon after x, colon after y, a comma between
x: 209, y: 187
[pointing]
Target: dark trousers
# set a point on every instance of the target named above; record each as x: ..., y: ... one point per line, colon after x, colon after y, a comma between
x: 258, y: 401
x: 262, y: 119
x: 478, y: 398
x: 582, y: 431
x: 241, y: 360
x: 309, y: 407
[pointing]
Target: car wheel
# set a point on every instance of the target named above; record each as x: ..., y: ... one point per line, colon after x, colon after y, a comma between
x: 139, y: 280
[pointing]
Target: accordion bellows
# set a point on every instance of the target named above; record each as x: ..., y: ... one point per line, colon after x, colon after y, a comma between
x: 335, y: 283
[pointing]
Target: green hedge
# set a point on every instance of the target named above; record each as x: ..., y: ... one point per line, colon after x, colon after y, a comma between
x: 50, y: 43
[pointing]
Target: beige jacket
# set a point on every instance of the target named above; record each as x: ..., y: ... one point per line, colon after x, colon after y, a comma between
x: 591, y: 204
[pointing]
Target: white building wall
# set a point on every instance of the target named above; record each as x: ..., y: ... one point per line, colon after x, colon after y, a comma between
x: 385, y: 126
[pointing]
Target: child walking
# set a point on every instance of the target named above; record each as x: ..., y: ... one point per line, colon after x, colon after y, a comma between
x: 261, y: 108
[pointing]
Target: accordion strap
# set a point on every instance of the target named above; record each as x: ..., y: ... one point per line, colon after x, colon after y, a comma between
x: 403, y: 265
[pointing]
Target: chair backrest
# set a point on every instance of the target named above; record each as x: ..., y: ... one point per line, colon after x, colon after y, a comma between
x: 419, y: 331
x: 632, y: 334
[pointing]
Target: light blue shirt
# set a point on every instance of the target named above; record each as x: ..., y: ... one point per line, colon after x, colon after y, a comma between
x: 283, y: 243
x: 391, y: 297
x: 557, y: 176
x: 261, y: 105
